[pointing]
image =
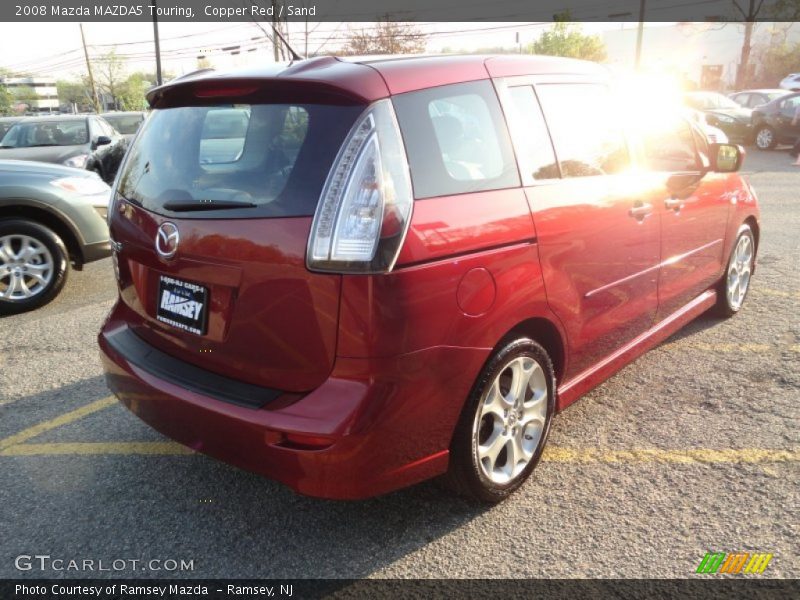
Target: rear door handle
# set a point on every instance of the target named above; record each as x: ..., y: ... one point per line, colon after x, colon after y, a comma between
x: 673, y: 204
x: 641, y: 211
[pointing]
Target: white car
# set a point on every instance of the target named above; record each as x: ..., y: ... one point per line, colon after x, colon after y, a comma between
x: 791, y: 82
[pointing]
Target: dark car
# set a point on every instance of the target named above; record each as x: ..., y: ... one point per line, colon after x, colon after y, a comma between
x: 6, y: 123
x: 772, y: 123
x: 50, y: 216
x: 80, y: 141
x: 723, y: 113
x: 127, y: 123
x: 754, y: 98
x: 408, y: 266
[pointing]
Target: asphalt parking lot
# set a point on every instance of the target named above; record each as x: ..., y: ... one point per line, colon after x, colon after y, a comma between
x: 694, y: 447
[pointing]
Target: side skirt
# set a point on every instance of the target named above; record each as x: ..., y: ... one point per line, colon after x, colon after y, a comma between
x: 576, y: 387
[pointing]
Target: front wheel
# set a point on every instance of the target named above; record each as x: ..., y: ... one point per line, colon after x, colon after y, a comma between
x: 504, y: 425
x: 765, y: 138
x: 33, y: 265
x: 735, y: 284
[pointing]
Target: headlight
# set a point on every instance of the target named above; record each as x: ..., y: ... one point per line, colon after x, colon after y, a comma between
x: 725, y: 119
x: 79, y: 162
x: 85, y: 186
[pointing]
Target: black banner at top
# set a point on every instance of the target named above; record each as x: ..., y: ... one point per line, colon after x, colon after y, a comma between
x: 398, y: 10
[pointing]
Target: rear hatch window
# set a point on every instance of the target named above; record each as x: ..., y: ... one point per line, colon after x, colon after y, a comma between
x: 235, y: 160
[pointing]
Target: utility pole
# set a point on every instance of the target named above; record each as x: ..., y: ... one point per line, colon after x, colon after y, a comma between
x: 275, y: 49
x: 640, y: 35
x: 157, y: 41
x: 95, y: 100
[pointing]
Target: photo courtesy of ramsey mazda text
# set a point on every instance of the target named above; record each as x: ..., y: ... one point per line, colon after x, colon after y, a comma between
x: 354, y: 275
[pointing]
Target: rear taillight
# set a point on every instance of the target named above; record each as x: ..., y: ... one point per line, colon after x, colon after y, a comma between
x: 365, y: 207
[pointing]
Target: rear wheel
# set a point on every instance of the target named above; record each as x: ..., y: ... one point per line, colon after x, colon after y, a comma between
x: 735, y: 284
x: 33, y: 265
x: 765, y: 138
x: 503, y: 428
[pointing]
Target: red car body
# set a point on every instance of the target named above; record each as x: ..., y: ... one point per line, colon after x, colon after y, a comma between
x: 367, y: 374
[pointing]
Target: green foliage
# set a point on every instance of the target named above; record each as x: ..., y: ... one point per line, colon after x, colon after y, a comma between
x: 130, y: 95
x: 5, y: 101
x: 24, y: 95
x: 777, y: 61
x: 566, y: 39
x: 74, y: 92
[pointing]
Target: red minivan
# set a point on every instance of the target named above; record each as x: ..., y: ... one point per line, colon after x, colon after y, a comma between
x: 351, y: 276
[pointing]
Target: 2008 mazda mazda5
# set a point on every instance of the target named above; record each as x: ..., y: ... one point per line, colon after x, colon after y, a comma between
x: 354, y: 275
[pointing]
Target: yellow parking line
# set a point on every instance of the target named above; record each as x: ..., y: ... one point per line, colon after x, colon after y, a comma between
x: 656, y: 455
x: 97, y: 448
x: 64, y: 419
x: 778, y: 293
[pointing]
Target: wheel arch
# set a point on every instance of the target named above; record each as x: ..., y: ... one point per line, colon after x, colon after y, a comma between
x: 545, y: 332
x: 58, y: 223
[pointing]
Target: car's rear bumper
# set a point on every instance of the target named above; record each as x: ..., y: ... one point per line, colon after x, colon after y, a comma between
x: 376, y: 424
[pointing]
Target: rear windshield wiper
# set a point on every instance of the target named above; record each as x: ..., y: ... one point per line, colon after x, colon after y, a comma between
x: 188, y: 205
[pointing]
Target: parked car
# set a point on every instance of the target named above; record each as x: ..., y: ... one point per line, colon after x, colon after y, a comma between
x: 723, y: 113
x: 713, y: 134
x: 357, y: 302
x: 6, y: 123
x: 754, y: 98
x: 791, y: 82
x: 127, y: 123
x: 772, y: 123
x: 50, y: 217
x: 80, y: 141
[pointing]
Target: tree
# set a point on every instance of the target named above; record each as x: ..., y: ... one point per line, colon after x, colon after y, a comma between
x: 566, y: 39
x: 24, y: 94
x: 5, y: 101
x: 74, y: 93
x: 776, y: 60
x: 387, y: 37
x: 110, y: 75
x: 131, y: 93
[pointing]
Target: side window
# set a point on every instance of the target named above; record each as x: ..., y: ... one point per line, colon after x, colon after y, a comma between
x: 456, y: 140
x: 669, y: 145
x: 532, y: 138
x: 790, y: 106
x: 586, y: 128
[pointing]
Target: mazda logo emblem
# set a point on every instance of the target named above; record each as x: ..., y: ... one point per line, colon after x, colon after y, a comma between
x: 167, y: 239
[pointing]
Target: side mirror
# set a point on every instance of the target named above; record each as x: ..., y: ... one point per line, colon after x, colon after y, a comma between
x: 726, y: 158
x: 102, y: 140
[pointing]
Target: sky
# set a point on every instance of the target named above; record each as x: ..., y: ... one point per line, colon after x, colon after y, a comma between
x: 54, y: 49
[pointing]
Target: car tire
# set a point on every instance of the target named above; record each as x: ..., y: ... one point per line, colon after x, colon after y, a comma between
x: 735, y: 283
x: 34, y: 265
x: 504, y: 425
x: 765, y: 138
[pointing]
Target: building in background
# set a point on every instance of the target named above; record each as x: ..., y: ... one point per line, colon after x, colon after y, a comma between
x: 37, y: 94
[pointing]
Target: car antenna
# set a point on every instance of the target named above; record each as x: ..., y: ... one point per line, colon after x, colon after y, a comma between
x: 275, y: 32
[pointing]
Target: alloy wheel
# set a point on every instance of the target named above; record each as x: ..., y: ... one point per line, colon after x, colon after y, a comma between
x: 510, y: 420
x: 26, y: 267
x: 764, y: 139
x: 739, y: 269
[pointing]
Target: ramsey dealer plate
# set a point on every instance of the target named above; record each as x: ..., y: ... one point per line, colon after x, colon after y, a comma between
x: 182, y: 304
